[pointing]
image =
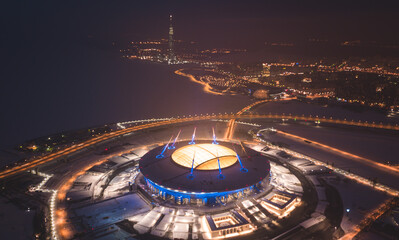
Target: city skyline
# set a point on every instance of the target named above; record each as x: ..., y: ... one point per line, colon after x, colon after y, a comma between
x: 199, y: 120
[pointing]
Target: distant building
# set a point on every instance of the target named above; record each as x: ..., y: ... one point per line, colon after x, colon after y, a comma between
x: 266, y: 70
x: 171, y: 54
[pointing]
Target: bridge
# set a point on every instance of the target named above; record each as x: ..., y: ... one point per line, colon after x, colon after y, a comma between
x: 95, y: 140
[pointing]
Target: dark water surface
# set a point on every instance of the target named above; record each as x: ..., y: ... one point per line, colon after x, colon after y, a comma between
x: 84, y: 87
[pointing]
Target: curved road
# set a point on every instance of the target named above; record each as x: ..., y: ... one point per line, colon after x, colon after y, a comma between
x: 69, y: 150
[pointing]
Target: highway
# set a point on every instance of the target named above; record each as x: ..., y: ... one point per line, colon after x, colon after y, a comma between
x: 242, y: 114
x: 69, y: 150
x: 231, y: 124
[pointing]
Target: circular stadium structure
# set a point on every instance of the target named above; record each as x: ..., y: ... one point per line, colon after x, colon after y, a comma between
x: 205, y: 172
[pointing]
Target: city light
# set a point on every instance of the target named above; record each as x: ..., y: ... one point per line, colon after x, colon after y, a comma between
x: 205, y: 122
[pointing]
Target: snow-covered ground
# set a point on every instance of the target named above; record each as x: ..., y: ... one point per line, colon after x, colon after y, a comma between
x: 356, y: 199
x: 378, y: 145
x: 120, y: 184
x: 284, y: 180
x: 356, y: 166
x: 113, y: 210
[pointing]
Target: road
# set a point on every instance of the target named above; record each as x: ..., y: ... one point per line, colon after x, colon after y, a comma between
x: 242, y: 114
x: 69, y: 150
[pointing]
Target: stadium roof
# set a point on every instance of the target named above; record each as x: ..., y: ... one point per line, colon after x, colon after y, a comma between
x: 205, y: 156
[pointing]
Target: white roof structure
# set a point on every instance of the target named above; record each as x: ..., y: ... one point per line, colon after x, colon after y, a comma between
x: 130, y: 156
x: 147, y: 222
x: 118, y: 160
x: 299, y: 162
x: 312, y: 221
x: 205, y: 156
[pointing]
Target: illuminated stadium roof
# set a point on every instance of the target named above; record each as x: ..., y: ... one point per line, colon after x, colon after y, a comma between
x: 205, y: 156
x: 170, y: 174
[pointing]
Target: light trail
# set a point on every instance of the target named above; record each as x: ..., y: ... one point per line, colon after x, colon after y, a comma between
x: 73, y: 149
x: 231, y: 125
x: 230, y: 129
x: 63, y: 230
x: 69, y: 150
x: 121, y: 124
x: 61, y: 226
x: 60, y: 194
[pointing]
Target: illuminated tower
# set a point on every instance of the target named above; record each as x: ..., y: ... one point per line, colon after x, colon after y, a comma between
x: 171, y: 54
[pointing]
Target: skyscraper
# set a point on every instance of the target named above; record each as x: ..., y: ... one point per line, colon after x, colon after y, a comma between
x: 171, y: 54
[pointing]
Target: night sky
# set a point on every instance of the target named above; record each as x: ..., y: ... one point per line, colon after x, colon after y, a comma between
x: 50, y: 49
x: 28, y: 24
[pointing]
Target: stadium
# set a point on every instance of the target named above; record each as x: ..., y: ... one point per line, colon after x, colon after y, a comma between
x: 204, y: 172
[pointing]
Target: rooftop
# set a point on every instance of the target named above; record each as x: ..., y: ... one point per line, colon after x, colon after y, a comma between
x: 166, y: 173
x: 204, y: 156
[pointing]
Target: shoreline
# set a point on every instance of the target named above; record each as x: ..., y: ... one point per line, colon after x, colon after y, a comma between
x: 207, y: 88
